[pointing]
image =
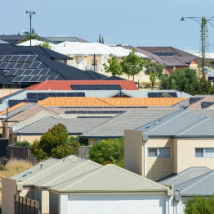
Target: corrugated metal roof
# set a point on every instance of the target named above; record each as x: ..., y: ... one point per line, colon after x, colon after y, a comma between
x: 110, y: 178
x: 71, y: 171
x: 186, y: 175
x: 129, y: 120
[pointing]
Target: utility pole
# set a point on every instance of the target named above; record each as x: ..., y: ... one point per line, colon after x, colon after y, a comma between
x: 30, y: 15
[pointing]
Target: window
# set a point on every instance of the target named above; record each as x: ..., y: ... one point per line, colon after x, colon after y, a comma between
x: 159, y: 152
x: 204, y: 153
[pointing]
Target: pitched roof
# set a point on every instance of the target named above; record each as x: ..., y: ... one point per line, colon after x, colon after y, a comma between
x: 111, y: 178
x: 129, y: 120
x: 38, y: 173
x: 198, y: 104
x: 73, y: 125
x: 66, y: 84
x: 186, y: 175
x: 13, y: 108
x: 92, y: 101
x: 28, y: 112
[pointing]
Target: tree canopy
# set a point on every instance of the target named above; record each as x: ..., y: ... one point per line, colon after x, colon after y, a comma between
x: 154, y: 70
x: 54, y: 143
x: 34, y: 35
x: 46, y: 44
x: 108, y: 151
x: 114, y: 66
x: 132, y: 64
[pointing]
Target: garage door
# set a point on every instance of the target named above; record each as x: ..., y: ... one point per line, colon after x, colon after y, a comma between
x: 117, y: 204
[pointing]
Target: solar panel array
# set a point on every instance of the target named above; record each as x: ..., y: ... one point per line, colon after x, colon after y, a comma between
x: 194, y: 99
x: 96, y: 87
x: 94, y: 117
x: 160, y: 94
x: 95, y: 112
x: 15, y: 102
x: 17, y: 58
x: 11, y: 41
x: 206, y: 104
x: 164, y: 53
x: 87, y: 107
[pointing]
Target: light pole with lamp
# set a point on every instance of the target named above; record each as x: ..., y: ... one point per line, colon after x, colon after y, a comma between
x: 30, y: 15
x: 208, y: 19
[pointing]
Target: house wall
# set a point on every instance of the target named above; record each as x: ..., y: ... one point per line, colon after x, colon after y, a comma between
x: 8, y: 192
x: 28, y: 192
x: 54, y: 202
x: 29, y: 138
x: 186, y: 153
x: 45, y: 202
x: 160, y: 167
x: 5, y: 130
x: 133, y: 151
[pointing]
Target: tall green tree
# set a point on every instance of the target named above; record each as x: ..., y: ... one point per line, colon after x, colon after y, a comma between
x: 132, y: 64
x: 46, y: 44
x: 114, y: 66
x: 108, y: 151
x: 154, y: 70
x: 34, y: 35
x: 183, y: 80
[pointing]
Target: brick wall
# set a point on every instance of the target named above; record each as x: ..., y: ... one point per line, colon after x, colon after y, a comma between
x: 15, y: 152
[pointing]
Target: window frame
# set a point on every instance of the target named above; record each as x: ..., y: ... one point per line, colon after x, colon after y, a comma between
x: 203, y: 153
x: 158, y: 152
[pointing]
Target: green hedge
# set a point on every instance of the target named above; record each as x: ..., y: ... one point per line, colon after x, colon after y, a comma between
x: 22, y: 143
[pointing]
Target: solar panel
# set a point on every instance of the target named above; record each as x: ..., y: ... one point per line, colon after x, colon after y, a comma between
x: 27, y: 72
x: 15, y: 58
x: 35, y: 64
x: 94, y: 112
x: 18, y: 78
x: 12, y: 72
x: 43, y: 78
x: 7, y: 58
x: 35, y: 78
x: 1, y: 58
x: 32, y: 101
x: 26, y: 78
x: 172, y: 94
x: 19, y: 65
x: 22, y: 58
x: 44, y: 71
x: 60, y: 95
x: 12, y: 103
x: 194, y: 99
x: 96, y: 87
x: 35, y: 71
x: 32, y: 96
x: 52, y: 77
x: 41, y: 96
x: 20, y: 72
x: 27, y: 65
x: 70, y: 94
x: 206, y: 104
x: 11, y: 65
x: 51, y: 94
x: 80, y: 94
x: 31, y: 58
x: 3, y: 65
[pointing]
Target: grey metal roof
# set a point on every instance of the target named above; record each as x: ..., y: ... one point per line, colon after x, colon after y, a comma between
x: 129, y: 120
x: 3, y: 42
x: 110, y: 178
x: 171, y: 124
x: 186, y: 175
x: 67, y: 173
x: 36, y: 173
x: 201, y: 186
x: 73, y: 125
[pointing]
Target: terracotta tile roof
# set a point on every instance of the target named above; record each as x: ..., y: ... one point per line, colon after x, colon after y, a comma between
x: 92, y: 101
x: 66, y: 84
x: 29, y: 112
x: 13, y: 108
x: 197, y: 105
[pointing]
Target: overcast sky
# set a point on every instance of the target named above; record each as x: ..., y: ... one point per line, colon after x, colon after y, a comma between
x: 137, y: 22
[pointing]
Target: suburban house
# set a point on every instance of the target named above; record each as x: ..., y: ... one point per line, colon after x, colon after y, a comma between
x: 170, y: 144
x: 189, y: 183
x: 74, y: 185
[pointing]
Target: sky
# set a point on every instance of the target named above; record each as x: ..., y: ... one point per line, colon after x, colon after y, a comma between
x: 134, y: 22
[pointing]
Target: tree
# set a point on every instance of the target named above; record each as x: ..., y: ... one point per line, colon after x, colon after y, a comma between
x: 154, y: 70
x: 53, y: 143
x: 181, y: 80
x: 46, y: 44
x: 108, y: 151
x: 101, y: 40
x: 113, y: 67
x: 132, y: 64
x: 34, y: 35
x: 199, y: 205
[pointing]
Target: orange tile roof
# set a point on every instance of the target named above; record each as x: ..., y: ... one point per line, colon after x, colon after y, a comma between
x: 93, y: 101
x: 13, y: 108
x: 66, y: 84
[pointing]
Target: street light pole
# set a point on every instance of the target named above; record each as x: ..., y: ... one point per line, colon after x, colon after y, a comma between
x: 30, y: 15
x: 208, y: 19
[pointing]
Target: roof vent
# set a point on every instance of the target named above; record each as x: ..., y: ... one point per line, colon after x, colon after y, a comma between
x: 41, y: 165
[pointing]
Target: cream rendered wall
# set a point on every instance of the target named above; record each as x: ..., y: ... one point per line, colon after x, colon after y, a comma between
x: 186, y: 153
x: 29, y: 138
x: 160, y: 167
x: 45, y: 201
x: 5, y: 130
x: 133, y: 151
x: 8, y: 192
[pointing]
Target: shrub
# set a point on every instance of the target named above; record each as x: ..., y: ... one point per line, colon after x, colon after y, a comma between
x: 108, y: 151
x: 22, y: 143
